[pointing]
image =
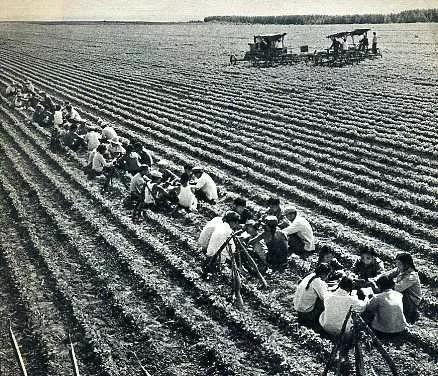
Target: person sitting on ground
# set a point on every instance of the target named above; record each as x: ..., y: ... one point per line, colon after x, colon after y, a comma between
x: 275, y: 209
x: 132, y: 160
x: 276, y: 243
x: 257, y: 249
x: 239, y: 206
x: 108, y: 132
x: 336, y: 307
x: 367, y: 267
x: 47, y: 102
x: 116, y: 149
x: 32, y: 102
x: 152, y: 195
x: 385, y: 310
x: 38, y: 116
x: 146, y: 156
x: 18, y: 101
x: 71, y: 139
x: 205, y: 235
x: 100, y: 166
x: 28, y: 87
x: 407, y: 282
x: 185, y: 194
x: 298, y: 231
x: 221, y: 233
x: 344, y: 45
x: 374, y: 45
x: 11, y: 89
x: 92, y: 139
x: 327, y: 256
x: 57, y: 116
x: 206, y: 188
x: 169, y: 178
x: 137, y: 184
x: 72, y: 116
x: 310, y: 295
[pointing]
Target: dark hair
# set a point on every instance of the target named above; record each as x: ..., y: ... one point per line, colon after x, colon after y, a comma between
x: 324, y: 250
x: 129, y: 148
x: 184, y: 179
x: 188, y: 166
x: 137, y: 145
x: 320, y: 270
x: 273, y: 201
x: 68, y: 107
x: 346, y: 283
x: 406, y: 259
x: 231, y: 216
x: 239, y: 201
x: 101, y: 148
x: 385, y: 283
x: 74, y: 127
x: 366, y: 249
x: 57, y: 107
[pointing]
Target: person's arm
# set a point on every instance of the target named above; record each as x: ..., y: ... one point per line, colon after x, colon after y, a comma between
x: 320, y: 287
x: 405, y: 283
x: 255, y: 239
x: 293, y: 228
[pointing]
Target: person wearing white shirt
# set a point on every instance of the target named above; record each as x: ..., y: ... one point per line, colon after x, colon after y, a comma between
x: 205, y: 186
x: 299, y: 231
x: 99, y: 161
x: 221, y: 234
x: 72, y: 115
x: 310, y: 294
x: 374, y: 45
x: 344, y: 45
x: 57, y: 116
x: 92, y: 139
x: 337, y: 305
x: 204, y: 237
x: 109, y: 133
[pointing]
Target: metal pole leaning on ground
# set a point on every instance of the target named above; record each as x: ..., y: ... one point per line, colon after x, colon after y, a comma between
x: 338, y: 344
x: 237, y: 284
x: 251, y: 261
x: 144, y: 370
x: 17, y: 351
x: 73, y: 357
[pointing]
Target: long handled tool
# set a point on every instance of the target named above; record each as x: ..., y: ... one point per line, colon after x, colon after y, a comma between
x: 17, y: 351
x: 73, y: 357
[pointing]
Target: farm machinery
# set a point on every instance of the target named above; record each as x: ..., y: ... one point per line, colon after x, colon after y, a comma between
x: 270, y: 50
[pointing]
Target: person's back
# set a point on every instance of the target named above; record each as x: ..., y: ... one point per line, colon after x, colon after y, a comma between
x: 337, y: 305
x: 277, y: 246
x: 137, y: 184
x: 109, y: 133
x: 204, y: 237
x: 206, y: 184
x: 92, y: 140
x: 132, y: 161
x: 387, y: 308
x: 305, y: 298
x: 220, y: 235
x: 186, y: 197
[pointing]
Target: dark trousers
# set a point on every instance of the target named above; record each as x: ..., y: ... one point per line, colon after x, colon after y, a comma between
x: 374, y: 48
x: 296, y: 245
x: 311, y: 319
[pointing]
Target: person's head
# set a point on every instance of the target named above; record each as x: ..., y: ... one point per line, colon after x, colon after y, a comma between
x: 367, y: 255
x: 162, y: 164
x: 188, y: 169
x: 325, y: 254
x: 129, y: 149
x: 68, y: 107
x: 290, y: 212
x: 322, y: 271
x: 184, y: 179
x: 239, y: 205
x: 39, y: 108
x: 43, y: 94
x: 346, y: 283
x: 232, y: 218
x: 385, y: 283
x: 58, y: 107
x: 404, y: 261
x: 271, y: 223
x: 251, y: 227
x: 374, y: 33
x: 101, y: 149
x: 273, y: 204
x: 144, y: 170
x: 156, y: 175
x: 73, y: 128
x: 137, y: 145
x: 197, y: 172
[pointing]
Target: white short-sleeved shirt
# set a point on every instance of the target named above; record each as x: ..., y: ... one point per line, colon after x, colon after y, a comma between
x: 304, y: 300
x: 206, y: 184
x: 186, y: 198
x: 74, y: 115
x: 219, y: 236
x: 109, y: 133
x: 92, y: 140
x: 302, y: 228
x: 336, y: 307
x: 99, y: 162
x: 57, y: 117
x: 204, y: 237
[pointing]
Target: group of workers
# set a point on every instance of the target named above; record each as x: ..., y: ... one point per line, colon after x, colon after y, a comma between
x: 340, y: 45
x: 388, y: 300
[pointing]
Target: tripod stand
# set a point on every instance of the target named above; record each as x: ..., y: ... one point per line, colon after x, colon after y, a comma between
x: 362, y: 337
x: 236, y: 265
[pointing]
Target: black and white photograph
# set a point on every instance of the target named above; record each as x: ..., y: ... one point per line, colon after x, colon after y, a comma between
x: 218, y: 188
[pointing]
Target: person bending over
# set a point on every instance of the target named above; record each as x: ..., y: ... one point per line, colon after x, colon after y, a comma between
x: 298, y: 231
x: 206, y: 188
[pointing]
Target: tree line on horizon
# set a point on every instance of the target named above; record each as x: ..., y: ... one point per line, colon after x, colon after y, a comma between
x: 407, y: 16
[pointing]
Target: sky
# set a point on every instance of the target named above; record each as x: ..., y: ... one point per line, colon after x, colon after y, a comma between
x: 185, y: 10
